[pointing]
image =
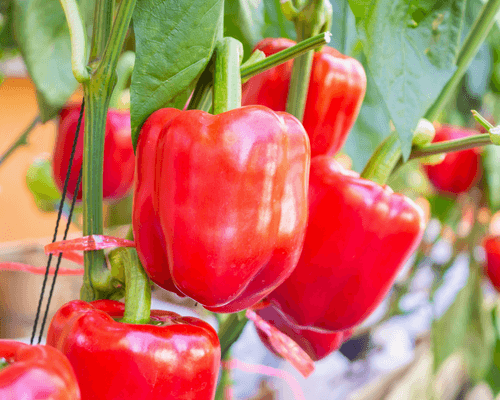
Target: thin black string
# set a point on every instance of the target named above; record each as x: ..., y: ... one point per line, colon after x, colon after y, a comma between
x: 49, y: 261
x: 68, y: 223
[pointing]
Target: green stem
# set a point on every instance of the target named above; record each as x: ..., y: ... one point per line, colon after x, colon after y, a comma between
x: 22, y: 140
x: 230, y: 329
x: 451, y: 146
x: 3, y: 363
x: 257, y: 63
x: 345, y: 16
x: 97, y: 277
x: 97, y: 281
x: 103, y: 19
x: 124, y: 70
x: 299, y: 81
x: 470, y: 47
x: 227, y: 78
x: 247, y: 71
x: 225, y: 379
x: 137, y: 289
x: 78, y: 40
x: 384, y: 159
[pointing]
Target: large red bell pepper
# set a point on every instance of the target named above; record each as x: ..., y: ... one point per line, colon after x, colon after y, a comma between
x: 317, y: 345
x: 231, y: 192
x: 336, y: 90
x: 119, y: 160
x: 35, y: 373
x: 459, y: 170
x: 148, y: 235
x: 492, y: 247
x: 359, y: 235
x: 173, y: 357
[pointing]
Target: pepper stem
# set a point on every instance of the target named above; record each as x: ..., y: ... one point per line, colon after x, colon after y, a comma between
x: 383, y: 160
x: 230, y: 328
x: 309, y: 20
x: 227, y: 78
x: 137, y: 286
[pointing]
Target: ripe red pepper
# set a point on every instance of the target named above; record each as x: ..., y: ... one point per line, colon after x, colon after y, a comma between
x: 358, y: 237
x: 36, y: 373
x: 336, y: 90
x: 492, y: 247
x: 459, y: 170
x: 148, y: 235
x: 119, y: 160
x: 231, y: 193
x: 316, y: 344
x: 174, y: 357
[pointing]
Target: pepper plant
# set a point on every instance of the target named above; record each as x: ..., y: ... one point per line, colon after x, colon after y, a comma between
x: 247, y: 210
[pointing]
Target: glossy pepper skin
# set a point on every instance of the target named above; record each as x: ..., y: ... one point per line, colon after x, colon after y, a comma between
x: 176, y: 359
x: 231, y: 193
x: 336, y: 90
x: 317, y: 345
x: 36, y: 373
x: 491, y: 245
x: 460, y: 170
x: 359, y: 235
x: 119, y: 160
x: 148, y: 235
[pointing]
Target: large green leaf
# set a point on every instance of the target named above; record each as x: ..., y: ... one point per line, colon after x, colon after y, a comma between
x: 174, y: 42
x: 43, y: 38
x: 371, y: 127
x: 411, y: 48
x: 465, y: 327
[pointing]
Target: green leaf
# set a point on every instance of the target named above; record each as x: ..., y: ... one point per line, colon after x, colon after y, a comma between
x: 42, y: 186
x: 490, y: 158
x: 174, y: 42
x: 410, y: 49
x: 466, y: 326
x: 7, y: 41
x: 250, y: 21
x: 43, y: 38
x: 371, y: 127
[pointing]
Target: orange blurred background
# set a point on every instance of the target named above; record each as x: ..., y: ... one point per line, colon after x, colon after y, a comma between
x: 19, y: 216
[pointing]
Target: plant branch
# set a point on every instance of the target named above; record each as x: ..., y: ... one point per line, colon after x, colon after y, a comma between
x: 22, y: 140
x: 78, y: 40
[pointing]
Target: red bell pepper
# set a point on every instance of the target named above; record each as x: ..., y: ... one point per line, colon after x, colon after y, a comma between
x: 173, y: 357
x: 231, y: 192
x: 317, y: 345
x: 148, y: 235
x: 459, y: 170
x: 336, y: 90
x: 359, y: 235
x: 491, y: 245
x: 119, y: 160
x: 35, y: 373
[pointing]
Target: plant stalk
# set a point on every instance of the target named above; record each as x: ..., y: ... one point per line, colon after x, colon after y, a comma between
x: 22, y: 140
x: 97, y: 283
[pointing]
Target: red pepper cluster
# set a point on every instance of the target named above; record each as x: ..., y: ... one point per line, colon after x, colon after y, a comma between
x: 225, y: 212
x: 229, y: 210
